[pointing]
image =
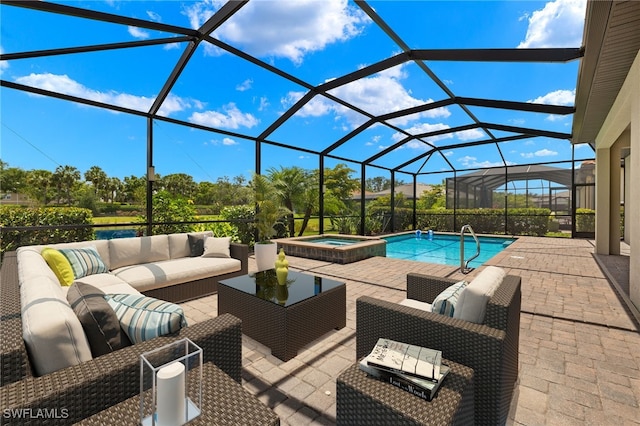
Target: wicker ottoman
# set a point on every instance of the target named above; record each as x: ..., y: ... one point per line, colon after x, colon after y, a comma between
x: 363, y: 400
x: 224, y: 402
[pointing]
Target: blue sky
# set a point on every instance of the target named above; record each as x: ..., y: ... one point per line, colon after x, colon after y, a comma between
x: 314, y: 42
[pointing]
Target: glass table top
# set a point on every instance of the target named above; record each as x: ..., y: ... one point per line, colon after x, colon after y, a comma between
x: 298, y: 287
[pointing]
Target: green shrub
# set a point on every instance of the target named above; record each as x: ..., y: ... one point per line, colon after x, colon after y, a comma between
x: 483, y: 221
x: 585, y: 220
x: 171, y: 208
x: 242, y: 219
x: 44, y: 216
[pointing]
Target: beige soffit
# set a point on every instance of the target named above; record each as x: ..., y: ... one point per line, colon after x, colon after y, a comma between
x: 611, y: 40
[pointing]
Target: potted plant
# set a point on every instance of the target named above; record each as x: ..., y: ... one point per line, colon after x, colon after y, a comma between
x: 268, y: 212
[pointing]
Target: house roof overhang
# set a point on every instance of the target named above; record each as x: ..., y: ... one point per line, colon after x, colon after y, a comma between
x: 612, y: 40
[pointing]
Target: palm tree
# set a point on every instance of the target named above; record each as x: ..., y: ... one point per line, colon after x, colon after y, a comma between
x: 98, y: 179
x: 291, y: 184
x: 65, y: 179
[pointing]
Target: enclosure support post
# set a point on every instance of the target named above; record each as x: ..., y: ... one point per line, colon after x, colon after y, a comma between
x: 321, y: 192
x: 506, y: 200
x: 363, y: 187
x: 150, y: 178
x: 415, y: 200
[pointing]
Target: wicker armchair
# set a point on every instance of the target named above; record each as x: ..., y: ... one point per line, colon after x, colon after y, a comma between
x: 491, y: 348
x: 92, y: 386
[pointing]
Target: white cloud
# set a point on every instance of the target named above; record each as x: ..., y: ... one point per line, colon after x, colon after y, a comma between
x: 68, y: 86
x: 138, y: 33
x: 473, y: 163
x: 379, y: 94
x: 224, y: 141
x: 557, y: 97
x: 154, y: 16
x: 555, y: 117
x: 316, y: 107
x: 374, y: 141
x: 420, y: 129
x: 559, y: 24
x: 245, y: 85
x: 541, y: 153
x: 383, y: 93
x: 257, y: 26
x: 3, y: 64
x: 171, y: 46
x: 230, y: 117
x: 448, y: 153
x: 264, y: 103
x: 517, y: 121
x: 469, y: 135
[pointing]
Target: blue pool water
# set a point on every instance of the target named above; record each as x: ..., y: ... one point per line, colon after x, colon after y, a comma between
x: 444, y: 249
x: 335, y: 241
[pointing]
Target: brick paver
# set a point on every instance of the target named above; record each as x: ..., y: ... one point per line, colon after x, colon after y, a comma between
x: 579, y: 347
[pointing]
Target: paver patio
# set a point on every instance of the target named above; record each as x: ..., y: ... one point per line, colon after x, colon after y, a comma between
x: 579, y: 344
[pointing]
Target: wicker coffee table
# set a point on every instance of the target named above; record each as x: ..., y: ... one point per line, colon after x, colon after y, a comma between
x: 364, y: 400
x: 286, y: 317
x: 224, y: 402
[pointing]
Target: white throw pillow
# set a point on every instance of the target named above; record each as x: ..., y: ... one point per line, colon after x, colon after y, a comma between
x: 445, y: 303
x: 217, y: 247
x: 472, y: 302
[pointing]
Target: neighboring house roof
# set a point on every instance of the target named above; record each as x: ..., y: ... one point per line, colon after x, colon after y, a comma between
x: 406, y: 190
x: 494, y: 178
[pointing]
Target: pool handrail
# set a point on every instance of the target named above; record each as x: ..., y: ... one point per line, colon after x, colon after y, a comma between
x: 464, y: 264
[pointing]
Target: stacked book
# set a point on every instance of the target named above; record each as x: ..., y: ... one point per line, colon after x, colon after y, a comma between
x: 412, y: 368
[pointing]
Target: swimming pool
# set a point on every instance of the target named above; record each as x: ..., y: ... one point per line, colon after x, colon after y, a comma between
x: 333, y: 248
x: 335, y: 241
x: 444, y: 249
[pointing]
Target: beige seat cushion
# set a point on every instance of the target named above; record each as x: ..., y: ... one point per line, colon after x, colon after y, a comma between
x: 154, y: 275
x: 108, y: 283
x: 423, y: 306
x: 472, y: 302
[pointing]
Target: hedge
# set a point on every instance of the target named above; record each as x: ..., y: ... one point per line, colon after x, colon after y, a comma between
x: 44, y: 216
x: 483, y: 221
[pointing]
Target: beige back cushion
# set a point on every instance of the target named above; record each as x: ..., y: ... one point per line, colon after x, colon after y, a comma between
x: 138, y: 250
x: 179, y: 244
x: 101, y: 245
x: 472, y: 302
x: 51, y: 330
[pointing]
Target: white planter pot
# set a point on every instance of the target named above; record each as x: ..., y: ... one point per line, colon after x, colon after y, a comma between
x: 266, y: 255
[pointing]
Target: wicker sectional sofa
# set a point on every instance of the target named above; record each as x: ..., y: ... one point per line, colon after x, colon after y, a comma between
x: 91, y: 386
x: 33, y: 303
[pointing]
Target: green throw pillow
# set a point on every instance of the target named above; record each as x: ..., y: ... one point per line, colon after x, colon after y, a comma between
x: 144, y: 318
x: 59, y: 264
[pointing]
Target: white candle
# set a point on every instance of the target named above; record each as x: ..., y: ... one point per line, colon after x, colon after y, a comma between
x: 171, y: 398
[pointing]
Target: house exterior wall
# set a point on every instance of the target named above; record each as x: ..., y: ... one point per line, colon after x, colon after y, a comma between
x: 624, y: 116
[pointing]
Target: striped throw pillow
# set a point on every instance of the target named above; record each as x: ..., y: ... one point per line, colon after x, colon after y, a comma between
x: 144, y: 318
x: 85, y: 261
x: 445, y: 302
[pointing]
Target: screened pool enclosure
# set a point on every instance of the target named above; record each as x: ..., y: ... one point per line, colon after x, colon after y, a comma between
x: 449, y: 128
